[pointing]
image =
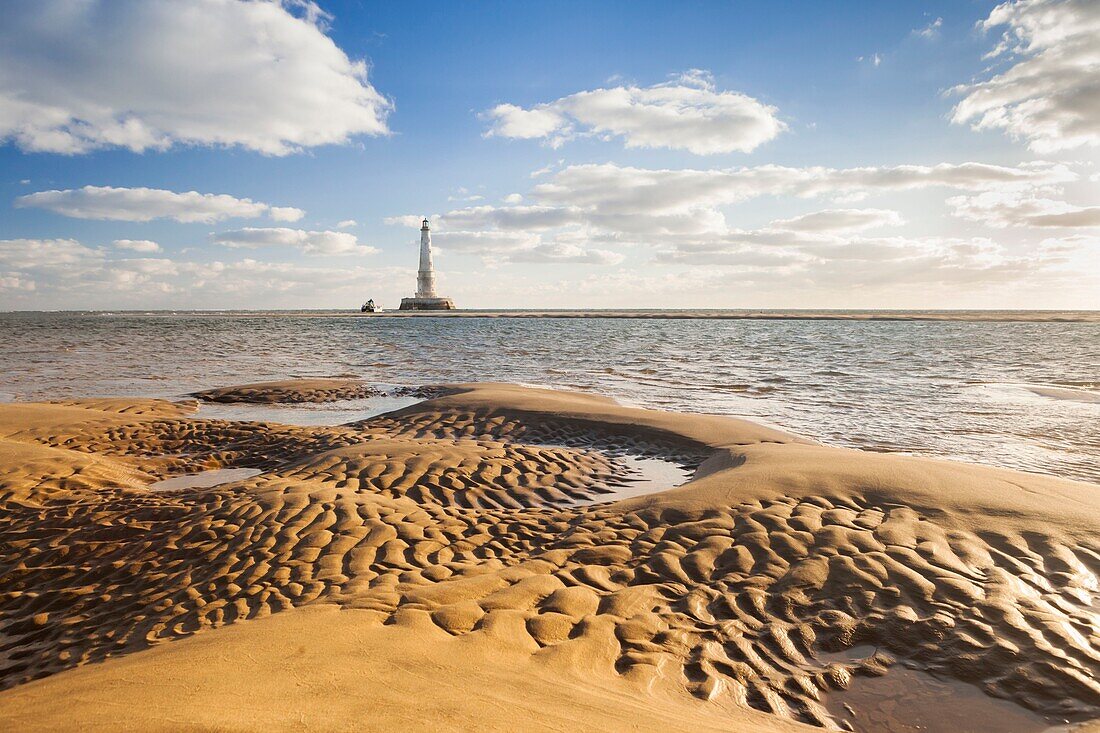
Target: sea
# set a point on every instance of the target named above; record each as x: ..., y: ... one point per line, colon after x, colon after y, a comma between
x: 1023, y: 395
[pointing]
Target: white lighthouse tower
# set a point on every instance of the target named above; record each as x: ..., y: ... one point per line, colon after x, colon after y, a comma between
x: 425, y: 276
x: 426, y: 298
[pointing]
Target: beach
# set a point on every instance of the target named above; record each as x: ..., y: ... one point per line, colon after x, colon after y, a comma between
x: 501, y: 557
x: 564, y: 367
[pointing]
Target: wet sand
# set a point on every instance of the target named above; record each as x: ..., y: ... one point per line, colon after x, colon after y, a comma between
x: 463, y: 563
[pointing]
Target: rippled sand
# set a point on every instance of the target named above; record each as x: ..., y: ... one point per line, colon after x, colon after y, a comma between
x: 451, y: 566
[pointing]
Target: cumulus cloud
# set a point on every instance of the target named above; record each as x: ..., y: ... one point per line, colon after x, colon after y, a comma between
x: 527, y: 234
x: 140, y: 204
x: 1050, y: 95
x: 526, y: 218
x: 150, y: 74
x: 589, y: 213
x: 562, y: 252
x: 841, y: 220
x: 484, y: 242
x: 1017, y: 209
x: 32, y: 254
x: 13, y: 282
x: 886, y: 261
x: 146, y: 204
x: 641, y: 191
x: 285, y: 213
x: 64, y: 273
x: 744, y: 257
x: 319, y: 243
x: 347, y: 224
x: 687, y: 113
x: 136, y: 245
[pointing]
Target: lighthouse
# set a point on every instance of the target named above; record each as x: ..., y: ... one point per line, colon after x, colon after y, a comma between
x: 426, y: 299
x: 425, y: 276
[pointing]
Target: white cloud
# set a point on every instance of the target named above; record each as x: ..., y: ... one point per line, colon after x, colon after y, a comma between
x: 743, y: 257
x: 1070, y: 244
x: 640, y: 191
x: 1016, y: 209
x: 146, y: 204
x: 136, y: 245
x: 841, y: 220
x: 1050, y: 96
x: 590, y: 213
x: 347, y: 224
x: 484, y: 242
x: 526, y: 124
x: 67, y: 274
x: 285, y: 213
x: 12, y: 282
x: 513, y: 198
x: 528, y: 234
x: 149, y: 74
x: 549, y: 167
x: 405, y: 220
x: 587, y: 213
x: 931, y: 30
x: 687, y: 113
x: 33, y: 254
x: 886, y: 261
x: 561, y: 252
x: 522, y: 247
x: 526, y: 218
x: 320, y: 243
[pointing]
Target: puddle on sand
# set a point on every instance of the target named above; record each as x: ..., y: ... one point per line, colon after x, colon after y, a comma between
x: 647, y: 476
x: 906, y: 701
x: 851, y: 654
x: 205, y: 479
x: 307, y: 413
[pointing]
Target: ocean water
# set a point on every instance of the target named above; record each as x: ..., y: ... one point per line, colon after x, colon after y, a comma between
x: 1021, y: 395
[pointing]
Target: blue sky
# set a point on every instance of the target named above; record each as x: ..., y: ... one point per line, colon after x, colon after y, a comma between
x: 814, y: 88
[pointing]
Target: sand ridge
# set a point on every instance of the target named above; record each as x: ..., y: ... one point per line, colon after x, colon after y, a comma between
x: 458, y: 516
x: 292, y: 391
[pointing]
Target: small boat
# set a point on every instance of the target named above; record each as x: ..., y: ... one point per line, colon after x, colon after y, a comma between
x: 370, y: 307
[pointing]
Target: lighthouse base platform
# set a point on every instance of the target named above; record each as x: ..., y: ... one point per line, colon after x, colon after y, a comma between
x: 427, y: 304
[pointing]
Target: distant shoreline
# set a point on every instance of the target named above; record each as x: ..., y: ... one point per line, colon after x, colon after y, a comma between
x: 1042, y: 316
x: 785, y: 315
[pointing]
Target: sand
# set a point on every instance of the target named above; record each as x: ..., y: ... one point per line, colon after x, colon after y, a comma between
x: 293, y: 392
x: 451, y: 566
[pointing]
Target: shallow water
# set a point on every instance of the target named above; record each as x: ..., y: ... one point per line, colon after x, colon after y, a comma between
x: 205, y: 479
x: 972, y: 391
x: 323, y: 413
x: 907, y: 701
x: 644, y: 476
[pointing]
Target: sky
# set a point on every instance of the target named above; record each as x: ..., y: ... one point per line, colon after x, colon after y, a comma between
x: 209, y: 154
